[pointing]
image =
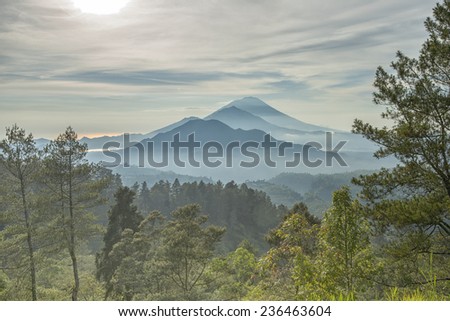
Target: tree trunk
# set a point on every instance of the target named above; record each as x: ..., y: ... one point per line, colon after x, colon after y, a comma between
x: 72, y: 245
x: 29, y: 242
x: 76, y: 286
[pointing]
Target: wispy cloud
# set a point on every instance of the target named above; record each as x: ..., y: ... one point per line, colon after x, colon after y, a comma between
x: 173, y: 57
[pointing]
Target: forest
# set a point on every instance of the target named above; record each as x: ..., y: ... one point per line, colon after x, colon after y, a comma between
x: 71, y: 230
x: 193, y: 241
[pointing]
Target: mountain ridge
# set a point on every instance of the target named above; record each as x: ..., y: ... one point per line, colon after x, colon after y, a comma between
x: 270, y: 114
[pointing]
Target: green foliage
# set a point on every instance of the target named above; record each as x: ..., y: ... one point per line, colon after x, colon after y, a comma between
x: 4, y: 285
x: 19, y: 159
x: 319, y: 260
x: 123, y: 215
x: 139, y: 274
x: 56, y: 278
x: 417, y: 100
x: 75, y: 189
x: 186, y: 249
x: 286, y: 271
x: 245, y: 212
x: 46, y: 195
x: 165, y: 260
x: 410, y: 204
x: 232, y: 276
x: 393, y: 245
x: 422, y: 293
x: 346, y: 254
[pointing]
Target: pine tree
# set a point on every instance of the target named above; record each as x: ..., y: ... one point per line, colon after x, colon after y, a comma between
x: 418, y: 104
x: 72, y: 184
x: 123, y: 215
x: 19, y: 159
x: 412, y: 200
x: 138, y: 273
x: 143, y: 199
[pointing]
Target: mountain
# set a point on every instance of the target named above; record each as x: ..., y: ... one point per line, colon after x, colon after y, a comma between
x: 151, y: 176
x: 252, y: 113
x: 234, y: 161
x: 209, y: 130
x: 238, y: 118
x: 259, y: 108
x: 41, y: 142
x: 228, y: 139
x: 233, y: 138
x: 97, y: 143
x: 171, y: 126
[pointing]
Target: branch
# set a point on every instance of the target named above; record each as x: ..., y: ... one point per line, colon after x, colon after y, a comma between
x: 431, y: 281
x: 434, y: 253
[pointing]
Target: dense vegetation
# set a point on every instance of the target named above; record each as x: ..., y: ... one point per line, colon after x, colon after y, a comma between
x: 246, y: 213
x: 69, y: 230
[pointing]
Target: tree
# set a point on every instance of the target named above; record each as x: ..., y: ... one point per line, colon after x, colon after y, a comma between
x: 232, y: 276
x: 299, y: 228
x: 123, y: 215
x: 159, y: 199
x: 287, y: 271
x: 345, y: 246
x: 164, y: 260
x: 143, y: 199
x: 139, y: 274
x: 73, y: 185
x: 417, y: 98
x: 245, y: 212
x: 187, y: 247
x: 176, y: 188
x: 413, y: 198
x: 19, y: 158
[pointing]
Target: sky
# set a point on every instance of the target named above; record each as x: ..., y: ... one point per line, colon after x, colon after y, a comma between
x: 157, y: 61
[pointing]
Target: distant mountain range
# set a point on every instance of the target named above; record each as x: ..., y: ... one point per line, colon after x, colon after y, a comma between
x: 209, y: 130
x: 251, y: 113
x: 239, y: 122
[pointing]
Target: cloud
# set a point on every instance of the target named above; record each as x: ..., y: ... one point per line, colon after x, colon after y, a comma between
x: 158, y: 77
x: 160, y: 54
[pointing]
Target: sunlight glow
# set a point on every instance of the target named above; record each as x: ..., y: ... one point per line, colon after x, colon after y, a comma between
x: 100, y: 7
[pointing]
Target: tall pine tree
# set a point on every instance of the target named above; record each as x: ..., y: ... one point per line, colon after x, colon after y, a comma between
x: 123, y: 215
x: 75, y: 189
x: 19, y: 160
x: 413, y: 199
